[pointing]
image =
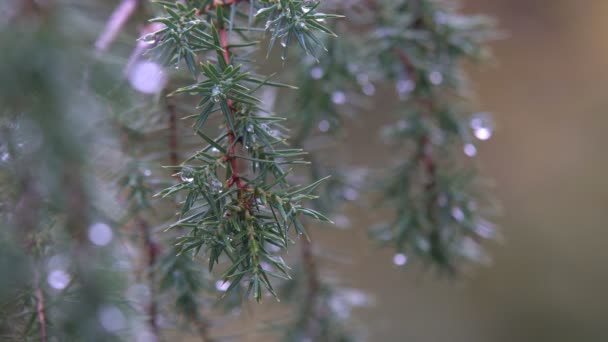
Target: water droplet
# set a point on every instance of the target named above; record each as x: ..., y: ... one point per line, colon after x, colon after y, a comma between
x: 217, y: 185
x: 317, y: 73
x: 100, y: 234
x: 485, y: 229
x: 483, y: 133
x: 324, y: 126
x: 436, y: 78
x: 470, y: 150
x: 5, y: 156
x: 58, y: 279
x: 148, y: 77
x: 216, y: 93
x: 399, y: 259
x: 250, y: 128
x: 482, y: 125
x: 404, y: 87
x: 338, y: 97
x: 185, y: 178
x: 111, y: 318
x: 214, y: 151
x: 369, y: 89
x: 147, y: 172
x: 458, y: 214
x: 221, y: 285
x: 302, y: 25
x: 284, y: 41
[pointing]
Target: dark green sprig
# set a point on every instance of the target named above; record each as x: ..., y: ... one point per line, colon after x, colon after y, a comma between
x: 237, y: 198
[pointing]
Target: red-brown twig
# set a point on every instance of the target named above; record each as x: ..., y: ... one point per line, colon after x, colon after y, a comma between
x: 40, y: 309
x: 173, y: 136
x: 235, y: 177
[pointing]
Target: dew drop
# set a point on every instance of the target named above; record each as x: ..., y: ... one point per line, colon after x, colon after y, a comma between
x: 484, y: 133
x: 338, y: 97
x: 100, y: 234
x: 186, y: 179
x: 216, y: 93
x: 404, y: 87
x: 250, y: 128
x: 111, y: 318
x: 58, y: 279
x: 399, y: 259
x: 147, y: 172
x: 436, y: 78
x: 5, y: 156
x: 317, y: 73
x: 369, y: 89
x: 458, y: 214
x: 221, y: 285
x: 470, y: 150
x: 217, y: 185
x: 148, y: 77
x: 324, y: 126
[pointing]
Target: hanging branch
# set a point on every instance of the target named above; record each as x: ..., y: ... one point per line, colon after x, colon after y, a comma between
x: 437, y: 216
x: 238, y: 214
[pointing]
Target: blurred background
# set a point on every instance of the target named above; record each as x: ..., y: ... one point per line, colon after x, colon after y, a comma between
x: 547, y: 90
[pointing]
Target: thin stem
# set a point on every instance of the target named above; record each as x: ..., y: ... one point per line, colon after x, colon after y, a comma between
x: 313, y: 285
x: 151, y: 250
x: 41, y: 309
x: 235, y: 177
x: 173, y: 136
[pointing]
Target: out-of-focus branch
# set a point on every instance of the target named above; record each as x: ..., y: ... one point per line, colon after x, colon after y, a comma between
x: 116, y: 22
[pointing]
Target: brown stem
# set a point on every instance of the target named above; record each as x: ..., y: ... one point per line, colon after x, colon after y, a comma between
x: 151, y: 250
x: 313, y: 286
x: 235, y: 177
x: 173, y: 136
x: 40, y: 309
